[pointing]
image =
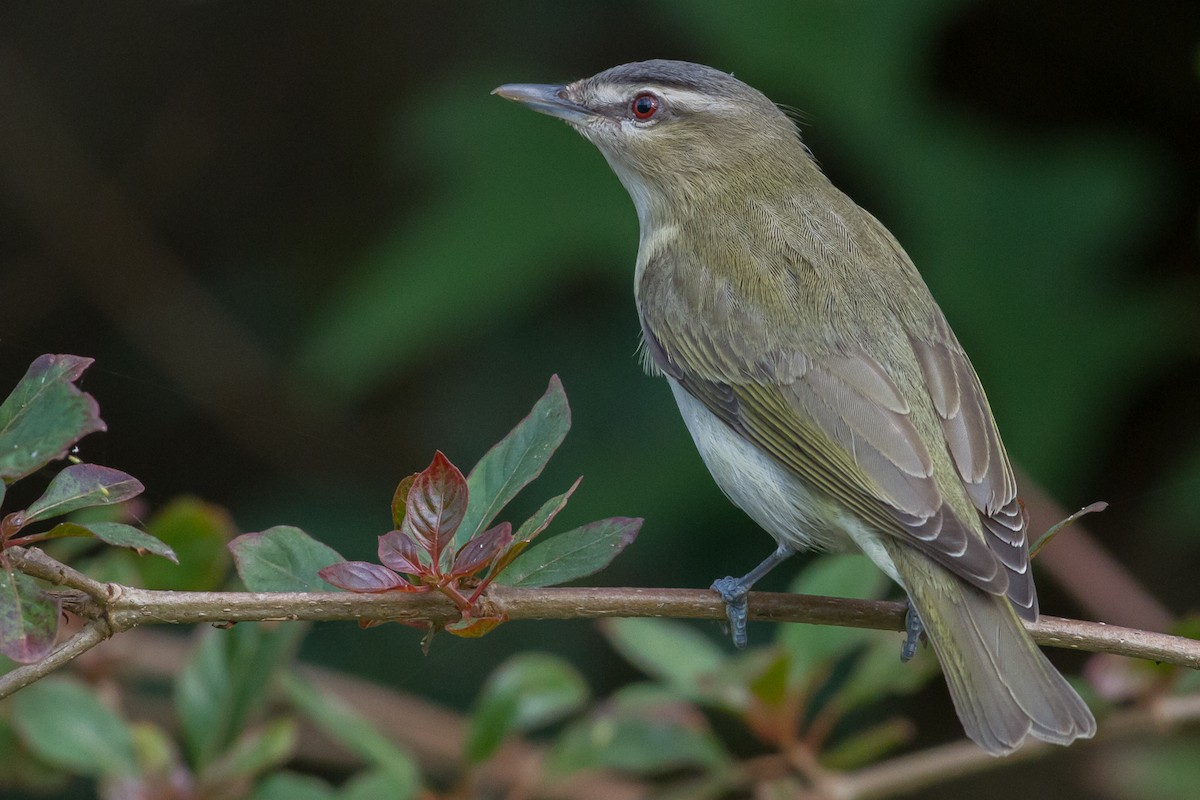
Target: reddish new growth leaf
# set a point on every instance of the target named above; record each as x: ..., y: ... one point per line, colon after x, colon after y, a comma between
x: 400, y: 553
x: 479, y: 552
x: 361, y: 576
x: 428, y: 509
x: 437, y: 502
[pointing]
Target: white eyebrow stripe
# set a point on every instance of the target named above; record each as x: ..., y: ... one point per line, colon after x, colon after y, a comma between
x: 682, y: 99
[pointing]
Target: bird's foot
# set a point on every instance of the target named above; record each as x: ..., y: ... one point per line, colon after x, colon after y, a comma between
x: 733, y: 591
x: 913, y: 630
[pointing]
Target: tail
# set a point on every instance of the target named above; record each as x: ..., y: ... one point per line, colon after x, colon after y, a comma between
x: 1003, y: 688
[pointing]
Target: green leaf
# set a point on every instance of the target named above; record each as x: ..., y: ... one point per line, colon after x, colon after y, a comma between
x: 224, y: 684
x: 282, y: 559
x: 515, y: 461
x: 571, y: 555
x: 199, y: 533
x: 376, y: 784
x: 28, y: 617
x: 255, y: 751
x: 63, y: 723
x: 750, y: 677
x: 80, y: 486
x: 18, y: 765
x: 527, y: 691
x: 1161, y: 769
x: 344, y: 725
x: 812, y: 646
x: 878, y: 671
x: 291, y: 786
x: 868, y: 746
x: 650, y: 741
x: 400, y: 499
x: 671, y: 651
x: 45, y: 415
x: 533, y: 526
x: 115, y: 533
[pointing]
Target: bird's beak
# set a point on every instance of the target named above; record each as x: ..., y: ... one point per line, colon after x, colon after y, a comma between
x: 547, y: 98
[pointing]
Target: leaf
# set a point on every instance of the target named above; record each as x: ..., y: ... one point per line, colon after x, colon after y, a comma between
x: 282, y: 559
x: 80, y: 486
x: 527, y: 691
x: 253, y: 752
x: 671, y: 651
x: 400, y: 499
x: 437, y: 501
x: 199, y: 533
x: 637, y: 742
x: 573, y: 554
x: 28, y: 617
x: 291, y: 786
x: 346, y: 726
x: 877, y: 672
x: 45, y: 415
x: 474, y: 627
x: 365, y: 577
x: 546, y: 514
x: 748, y: 678
x: 19, y: 766
x: 224, y: 684
x: 64, y: 723
x: 1057, y: 527
x: 400, y: 553
x: 480, y: 551
x: 868, y: 746
x: 114, y: 533
x: 376, y: 784
x: 533, y: 526
x: 515, y: 460
x: 811, y: 646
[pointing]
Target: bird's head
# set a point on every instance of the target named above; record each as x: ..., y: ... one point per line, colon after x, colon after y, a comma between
x: 676, y: 133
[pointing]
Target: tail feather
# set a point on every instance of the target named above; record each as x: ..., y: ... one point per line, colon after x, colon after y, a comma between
x: 1003, y: 687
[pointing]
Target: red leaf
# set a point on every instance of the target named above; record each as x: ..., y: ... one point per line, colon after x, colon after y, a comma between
x: 437, y: 502
x: 361, y: 576
x: 399, y: 552
x: 481, y: 550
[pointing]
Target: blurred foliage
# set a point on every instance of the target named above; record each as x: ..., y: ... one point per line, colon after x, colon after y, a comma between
x: 309, y: 249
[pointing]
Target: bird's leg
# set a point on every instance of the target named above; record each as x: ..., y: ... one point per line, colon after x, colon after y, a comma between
x: 913, y: 630
x: 734, y: 590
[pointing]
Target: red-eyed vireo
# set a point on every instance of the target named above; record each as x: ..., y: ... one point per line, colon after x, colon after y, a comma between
x: 819, y: 379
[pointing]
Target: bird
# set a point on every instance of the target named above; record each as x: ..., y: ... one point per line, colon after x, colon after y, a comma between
x: 819, y: 378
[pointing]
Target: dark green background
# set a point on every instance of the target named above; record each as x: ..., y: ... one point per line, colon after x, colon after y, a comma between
x: 307, y: 248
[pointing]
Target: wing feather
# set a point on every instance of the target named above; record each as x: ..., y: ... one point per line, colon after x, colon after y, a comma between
x: 978, y: 454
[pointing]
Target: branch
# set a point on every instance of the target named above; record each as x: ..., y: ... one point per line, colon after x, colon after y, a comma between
x: 937, y: 765
x: 95, y: 632
x: 33, y: 562
x: 128, y: 608
x: 114, y: 608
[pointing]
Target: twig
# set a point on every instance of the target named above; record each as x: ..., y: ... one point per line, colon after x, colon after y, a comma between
x: 126, y: 607
x: 129, y: 607
x: 95, y: 632
x: 937, y: 765
x: 37, y: 564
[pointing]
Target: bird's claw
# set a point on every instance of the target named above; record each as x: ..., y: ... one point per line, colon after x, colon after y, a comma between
x: 733, y: 591
x: 913, y: 630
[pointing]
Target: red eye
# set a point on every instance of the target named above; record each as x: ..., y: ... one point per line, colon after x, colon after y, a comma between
x: 644, y: 106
